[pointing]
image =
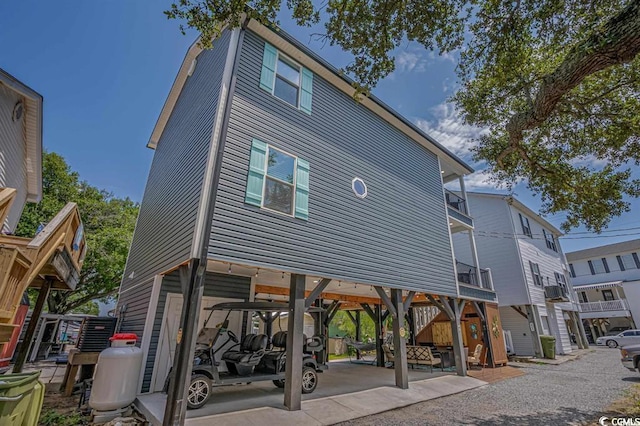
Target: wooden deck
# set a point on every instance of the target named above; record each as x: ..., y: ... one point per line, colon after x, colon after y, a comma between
x: 492, y: 375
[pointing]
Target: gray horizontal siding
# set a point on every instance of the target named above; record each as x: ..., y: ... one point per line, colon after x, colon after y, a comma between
x: 167, y: 219
x: 137, y: 305
x: 398, y: 236
x: 13, y: 170
x: 216, y: 285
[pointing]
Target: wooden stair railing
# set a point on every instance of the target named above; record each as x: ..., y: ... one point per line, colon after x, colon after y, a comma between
x: 24, y: 263
x: 7, y: 196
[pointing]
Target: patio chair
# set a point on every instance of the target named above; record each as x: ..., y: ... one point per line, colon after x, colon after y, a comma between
x: 388, y: 355
x: 475, y: 357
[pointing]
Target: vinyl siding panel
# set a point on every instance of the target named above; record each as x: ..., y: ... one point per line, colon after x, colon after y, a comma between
x: 13, y: 170
x: 216, y: 285
x: 167, y: 219
x: 535, y: 250
x: 632, y: 293
x: 397, y: 236
x: 563, y: 340
x: 519, y: 327
x: 496, y: 248
x: 137, y: 306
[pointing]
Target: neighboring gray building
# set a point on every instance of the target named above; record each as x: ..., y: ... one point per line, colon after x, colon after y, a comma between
x: 606, y: 280
x: 530, y: 275
x: 305, y: 181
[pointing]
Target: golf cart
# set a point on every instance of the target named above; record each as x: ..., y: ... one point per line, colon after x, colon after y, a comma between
x: 251, y: 359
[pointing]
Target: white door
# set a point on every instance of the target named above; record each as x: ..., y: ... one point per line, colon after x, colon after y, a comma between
x: 169, y: 331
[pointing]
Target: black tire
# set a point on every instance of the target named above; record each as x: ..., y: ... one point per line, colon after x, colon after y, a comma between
x: 309, y: 379
x: 199, y: 391
x: 612, y: 343
x: 279, y: 383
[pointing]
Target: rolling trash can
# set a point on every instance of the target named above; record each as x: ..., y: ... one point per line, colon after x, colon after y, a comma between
x: 21, y: 397
x: 548, y: 346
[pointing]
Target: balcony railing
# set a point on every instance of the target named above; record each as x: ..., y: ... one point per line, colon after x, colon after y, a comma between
x: 604, y: 306
x: 467, y: 274
x: 455, y: 201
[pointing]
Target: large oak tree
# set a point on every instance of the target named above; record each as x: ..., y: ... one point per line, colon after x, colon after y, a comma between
x: 108, y: 223
x: 555, y: 82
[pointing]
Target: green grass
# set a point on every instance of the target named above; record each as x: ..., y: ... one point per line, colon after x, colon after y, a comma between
x: 341, y: 356
x: 52, y: 418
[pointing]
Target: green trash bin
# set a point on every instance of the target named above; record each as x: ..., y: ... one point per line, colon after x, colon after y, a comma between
x: 548, y: 346
x: 21, y: 397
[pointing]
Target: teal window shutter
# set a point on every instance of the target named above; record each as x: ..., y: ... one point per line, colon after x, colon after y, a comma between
x: 268, y: 74
x: 307, y: 90
x: 302, y: 190
x: 257, y: 170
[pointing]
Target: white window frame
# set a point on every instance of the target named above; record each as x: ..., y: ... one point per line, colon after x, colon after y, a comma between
x: 526, y: 229
x: 266, y: 175
x: 601, y: 263
x: 632, y: 260
x: 550, y: 240
x: 292, y: 64
x: 536, y: 275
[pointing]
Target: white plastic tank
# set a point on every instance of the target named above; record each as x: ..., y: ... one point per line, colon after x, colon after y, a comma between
x: 115, y: 380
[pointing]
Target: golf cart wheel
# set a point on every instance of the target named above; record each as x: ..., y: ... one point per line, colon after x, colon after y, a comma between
x: 199, y: 391
x: 612, y: 343
x: 309, y: 379
x: 279, y: 383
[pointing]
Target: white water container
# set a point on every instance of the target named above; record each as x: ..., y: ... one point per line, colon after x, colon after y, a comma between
x: 115, y: 380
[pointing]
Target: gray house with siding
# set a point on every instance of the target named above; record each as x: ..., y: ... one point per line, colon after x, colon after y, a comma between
x: 303, y: 181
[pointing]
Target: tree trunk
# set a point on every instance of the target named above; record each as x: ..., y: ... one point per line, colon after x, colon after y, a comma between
x: 617, y: 42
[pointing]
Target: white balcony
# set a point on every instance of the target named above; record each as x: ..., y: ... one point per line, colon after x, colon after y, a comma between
x: 605, y: 309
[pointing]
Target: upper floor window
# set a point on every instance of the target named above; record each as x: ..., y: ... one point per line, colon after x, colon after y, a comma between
x: 607, y: 295
x: 526, y: 228
x: 285, y: 79
x: 287, y: 84
x: 573, y: 271
x: 582, y: 297
x: 598, y: 266
x: 278, y: 181
x: 550, y: 240
x: 628, y: 261
x: 535, y: 272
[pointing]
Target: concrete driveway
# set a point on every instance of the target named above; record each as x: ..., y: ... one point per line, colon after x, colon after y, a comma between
x: 571, y: 393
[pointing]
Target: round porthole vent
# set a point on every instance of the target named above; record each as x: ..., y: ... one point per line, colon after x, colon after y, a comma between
x: 359, y: 187
x: 18, y: 110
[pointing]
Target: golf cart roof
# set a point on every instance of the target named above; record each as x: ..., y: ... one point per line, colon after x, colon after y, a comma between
x: 256, y: 306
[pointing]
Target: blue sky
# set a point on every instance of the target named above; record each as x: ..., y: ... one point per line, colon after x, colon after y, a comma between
x: 106, y: 67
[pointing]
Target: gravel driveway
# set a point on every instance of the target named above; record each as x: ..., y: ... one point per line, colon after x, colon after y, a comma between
x: 570, y: 393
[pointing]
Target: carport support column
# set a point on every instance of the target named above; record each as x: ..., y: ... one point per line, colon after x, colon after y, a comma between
x: 379, y: 336
x: 456, y: 332
x: 295, y: 329
x: 399, y: 341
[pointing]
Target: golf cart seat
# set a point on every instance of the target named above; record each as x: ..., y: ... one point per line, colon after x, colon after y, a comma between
x: 252, y: 349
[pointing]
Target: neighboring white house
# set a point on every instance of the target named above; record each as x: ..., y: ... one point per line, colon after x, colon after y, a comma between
x: 529, y: 272
x: 606, y: 280
x: 20, y: 145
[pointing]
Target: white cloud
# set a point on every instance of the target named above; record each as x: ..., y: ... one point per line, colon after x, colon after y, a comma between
x: 479, y: 179
x: 410, y: 61
x: 590, y: 161
x: 448, y: 128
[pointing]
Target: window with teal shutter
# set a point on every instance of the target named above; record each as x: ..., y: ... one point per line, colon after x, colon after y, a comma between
x: 286, y: 80
x: 257, y: 169
x: 307, y: 89
x: 277, y: 181
x: 268, y: 74
x: 302, y: 190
